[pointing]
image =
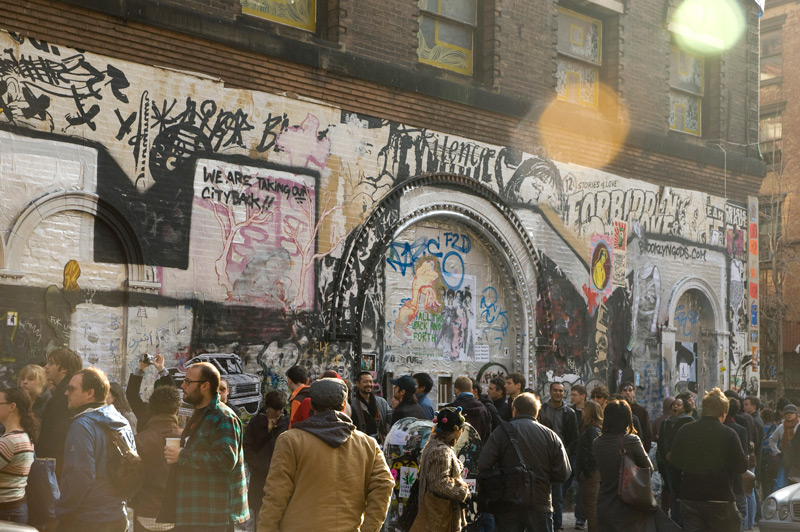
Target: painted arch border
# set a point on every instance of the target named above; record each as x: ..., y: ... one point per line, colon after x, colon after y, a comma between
x: 138, y: 274
x: 458, y: 198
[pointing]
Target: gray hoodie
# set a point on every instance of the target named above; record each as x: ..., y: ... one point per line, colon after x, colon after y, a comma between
x: 334, y: 428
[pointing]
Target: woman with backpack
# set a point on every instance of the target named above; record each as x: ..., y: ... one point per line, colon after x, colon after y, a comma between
x: 442, y: 489
x: 16, y: 453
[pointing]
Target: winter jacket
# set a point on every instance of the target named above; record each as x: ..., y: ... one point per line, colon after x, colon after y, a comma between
x: 586, y: 462
x: 404, y: 410
x: 493, y: 413
x: 543, y: 452
x: 440, y: 473
x: 645, y: 430
x: 326, y: 475
x: 476, y: 413
x: 425, y: 403
x: 503, y: 408
x: 56, y: 420
x: 141, y: 409
x: 259, y: 441
x: 86, y: 490
x: 566, y: 427
x: 709, y: 454
x: 150, y: 444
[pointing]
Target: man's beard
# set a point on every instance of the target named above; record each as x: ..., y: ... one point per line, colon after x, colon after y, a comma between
x: 193, y: 398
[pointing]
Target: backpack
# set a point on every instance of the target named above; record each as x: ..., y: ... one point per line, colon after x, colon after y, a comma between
x: 125, y: 467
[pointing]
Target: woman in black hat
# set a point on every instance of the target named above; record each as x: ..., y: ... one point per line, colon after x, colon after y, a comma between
x: 442, y: 489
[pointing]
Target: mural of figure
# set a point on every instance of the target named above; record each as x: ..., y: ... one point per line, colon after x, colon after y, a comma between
x: 446, y: 333
x: 423, y: 294
x: 60, y: 304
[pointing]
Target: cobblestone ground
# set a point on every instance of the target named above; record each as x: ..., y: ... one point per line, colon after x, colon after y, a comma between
x: 568, y: 520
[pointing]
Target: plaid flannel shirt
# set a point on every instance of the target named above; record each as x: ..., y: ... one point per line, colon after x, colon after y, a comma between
x: 212, y: 490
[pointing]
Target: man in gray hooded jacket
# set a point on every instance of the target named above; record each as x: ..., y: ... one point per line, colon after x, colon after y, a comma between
x: 325, y: 474
x: 88, y: 500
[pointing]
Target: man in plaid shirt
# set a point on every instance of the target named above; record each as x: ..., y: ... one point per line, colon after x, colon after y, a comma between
x: 209, y: 479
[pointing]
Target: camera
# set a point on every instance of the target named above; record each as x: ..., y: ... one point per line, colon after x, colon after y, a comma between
x: 148, y: 359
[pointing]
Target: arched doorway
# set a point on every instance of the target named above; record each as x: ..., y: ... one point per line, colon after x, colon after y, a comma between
x: 441, y: 211
x: 695, y: 365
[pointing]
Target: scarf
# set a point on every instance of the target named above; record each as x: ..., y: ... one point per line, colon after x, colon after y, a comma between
x: 788, y: 434
x: 368, y: 424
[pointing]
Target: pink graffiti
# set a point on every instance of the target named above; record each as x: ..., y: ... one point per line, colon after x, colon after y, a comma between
x: 304, y: 145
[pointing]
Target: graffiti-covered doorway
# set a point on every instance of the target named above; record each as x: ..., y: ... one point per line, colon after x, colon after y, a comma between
x: 451, y: 307
x: 456, y: 214
x: 694, y: 367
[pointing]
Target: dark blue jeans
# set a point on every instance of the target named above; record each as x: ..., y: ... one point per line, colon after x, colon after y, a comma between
x: 16, y: 515
x: 700, y: 516
x: 558, y: 504
x: 531, y: 521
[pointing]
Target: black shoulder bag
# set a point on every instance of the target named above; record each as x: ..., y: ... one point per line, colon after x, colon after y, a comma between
x: 509, y: 485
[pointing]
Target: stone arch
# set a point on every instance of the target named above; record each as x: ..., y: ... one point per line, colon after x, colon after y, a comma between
x: 447, y: 196
x: 695, y: 283
x: 75, y: 200
x: 709, y: 340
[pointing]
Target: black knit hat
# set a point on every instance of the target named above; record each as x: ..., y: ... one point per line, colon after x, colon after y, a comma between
x: 448, y: 419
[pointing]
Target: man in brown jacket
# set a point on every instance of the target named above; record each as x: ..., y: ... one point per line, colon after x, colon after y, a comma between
x: 326, y: 475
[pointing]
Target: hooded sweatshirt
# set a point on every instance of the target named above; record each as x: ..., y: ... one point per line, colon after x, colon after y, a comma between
x: 325, y: 475
x: 86, y: 490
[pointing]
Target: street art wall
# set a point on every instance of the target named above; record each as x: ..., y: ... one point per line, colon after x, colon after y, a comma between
x: 154, y: 211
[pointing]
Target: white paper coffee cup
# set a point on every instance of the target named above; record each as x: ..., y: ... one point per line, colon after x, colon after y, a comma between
x: 173, y: 442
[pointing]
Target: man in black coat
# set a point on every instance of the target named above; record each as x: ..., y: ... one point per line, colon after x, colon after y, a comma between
x: 497, y: 393
x: 472, y: 408
x: 61, y: 365
x: 629, y: 393
x: 542, y: 451
x: 709, y: 454
x: 563, y: 421
x: 404, y: 402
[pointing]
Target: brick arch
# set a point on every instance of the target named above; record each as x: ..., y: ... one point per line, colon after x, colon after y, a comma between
x: 57, y: 202
x: 444, y: 196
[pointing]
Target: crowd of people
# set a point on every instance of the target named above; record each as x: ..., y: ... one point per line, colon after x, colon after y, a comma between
x: 313, y: 459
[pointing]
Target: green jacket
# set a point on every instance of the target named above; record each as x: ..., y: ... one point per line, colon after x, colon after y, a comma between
x: 211, y: 486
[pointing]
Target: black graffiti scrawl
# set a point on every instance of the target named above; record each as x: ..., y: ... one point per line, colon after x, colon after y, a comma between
x: 29, y: 83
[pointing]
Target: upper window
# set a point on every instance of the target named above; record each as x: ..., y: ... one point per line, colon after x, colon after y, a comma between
x: 770, y: 137
x: 770, y: 225
x: 686, y: 90
x: 298, y: 13
x: 580, y: 41
x: 771, y: 50
x: 447, y: 34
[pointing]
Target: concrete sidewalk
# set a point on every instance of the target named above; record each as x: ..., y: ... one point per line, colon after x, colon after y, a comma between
x: 568, y: 523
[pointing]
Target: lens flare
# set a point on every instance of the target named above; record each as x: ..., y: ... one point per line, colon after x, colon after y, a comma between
x: 565, y: 130
x: 708, y: 26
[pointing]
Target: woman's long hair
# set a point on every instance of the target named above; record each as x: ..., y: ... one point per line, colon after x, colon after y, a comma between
x: 120, y: 402
x: 29, y: 423
x: 618, y: 418
x: 594, y: 411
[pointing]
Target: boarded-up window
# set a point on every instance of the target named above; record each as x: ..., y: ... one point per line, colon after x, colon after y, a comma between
x: 687, y: 85
x: 579, y: 58
x: 298, y: 13
x: 447, y: 34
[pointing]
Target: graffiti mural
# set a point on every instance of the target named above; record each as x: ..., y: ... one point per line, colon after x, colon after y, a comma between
x: 194, y: 218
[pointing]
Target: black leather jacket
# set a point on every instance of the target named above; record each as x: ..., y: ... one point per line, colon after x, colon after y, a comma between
x: 542, y: 450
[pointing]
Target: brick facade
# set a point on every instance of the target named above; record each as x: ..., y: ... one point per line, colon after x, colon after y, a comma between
x: 268, y: 191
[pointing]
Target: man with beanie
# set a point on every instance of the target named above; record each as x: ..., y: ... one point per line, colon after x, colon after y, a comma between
x: 326, y: 475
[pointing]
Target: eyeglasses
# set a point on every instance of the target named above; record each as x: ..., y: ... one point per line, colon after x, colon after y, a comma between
x: 190, y: 381
x: 628, y: 388
x: 6, y: 403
